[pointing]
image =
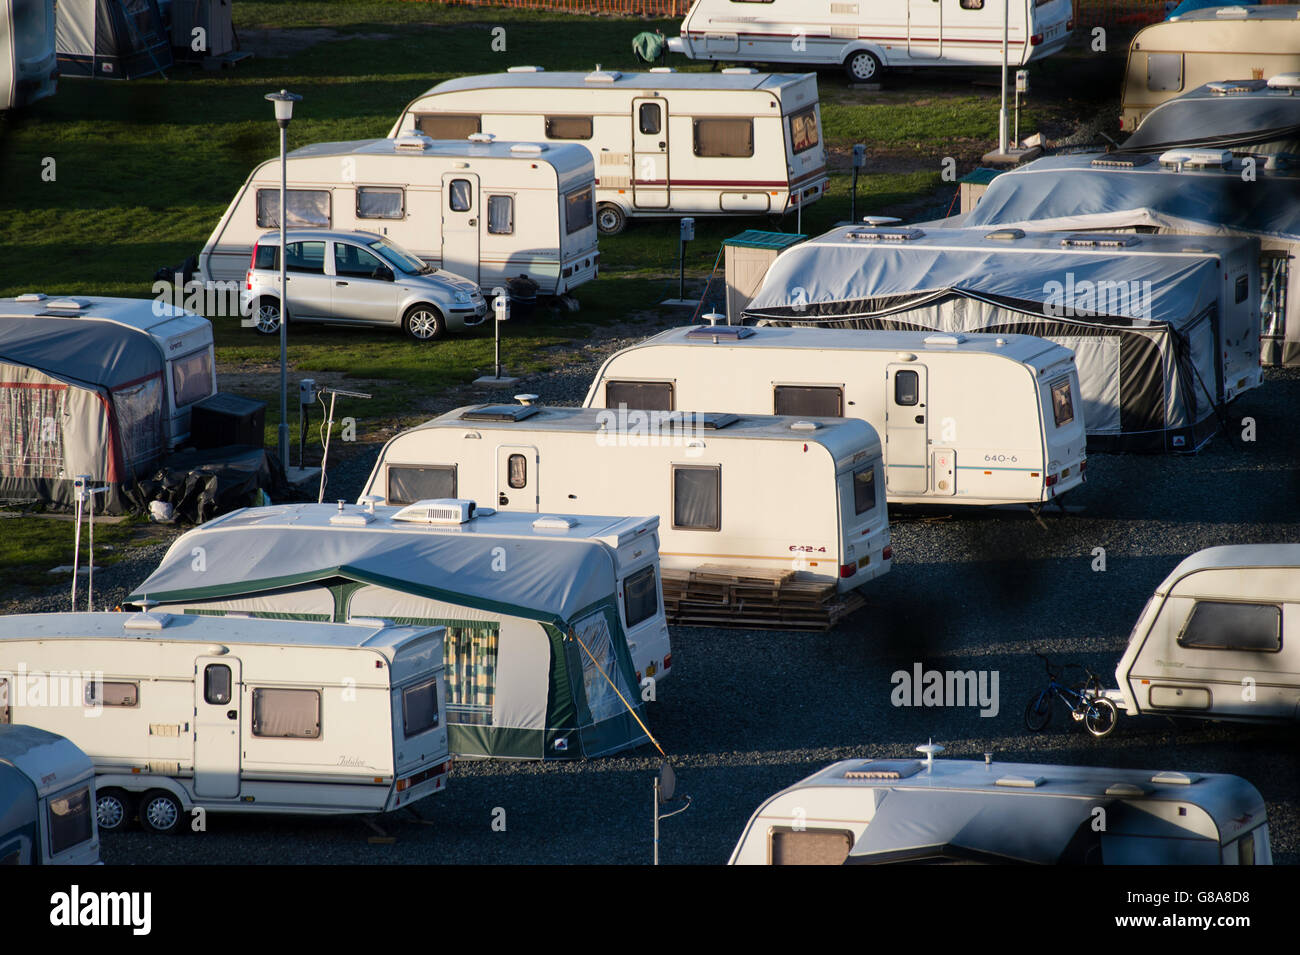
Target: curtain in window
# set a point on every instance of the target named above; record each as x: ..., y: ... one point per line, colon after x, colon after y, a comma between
x: 696, y: 498
x: 373, y: 203
x: 471, y: 675
x: 192, y: 378
x: 31, y: 430
x: 286, y: 714
x: 304, y: 208
x: 501, y: 215
x: 724, y: 137
x: 450, y: 126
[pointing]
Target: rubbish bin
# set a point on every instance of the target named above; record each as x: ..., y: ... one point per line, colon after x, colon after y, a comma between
x: 523, y: 297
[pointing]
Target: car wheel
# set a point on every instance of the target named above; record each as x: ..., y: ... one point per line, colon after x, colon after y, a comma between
x: 113, y: 809
x: 267, y: 316
x: 424, y: 323
x: 862, y: 66
x: 610, y: 219
x: 161, y: 812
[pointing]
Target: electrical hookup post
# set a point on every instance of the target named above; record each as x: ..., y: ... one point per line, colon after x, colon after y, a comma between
x: 686, y: 233
x: 500, y: 313
x: 665, y: 791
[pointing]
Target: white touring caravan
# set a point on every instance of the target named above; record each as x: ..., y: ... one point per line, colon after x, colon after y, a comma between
x: 234, y: 715
x: 28, y: 59
x: 880, y: 811
x: 508, y: 586
x: 1164, y: 328
x: 1218, y: 639
x: 1202, y: 46
x: 867, y: 37
x: 1181, y: 192
x: 665, y: 143
x: 966, y: 419
x: 488, y: 211
x: 721, y: 484
x: 47, y: 799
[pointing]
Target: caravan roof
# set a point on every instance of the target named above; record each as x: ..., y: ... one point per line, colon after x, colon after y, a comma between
x: 1284, y: 557
x: 1226, y: 113
x: 1278, y: 11
x: 49, y: 760
x: 532, y: 78
x: 563, y: 157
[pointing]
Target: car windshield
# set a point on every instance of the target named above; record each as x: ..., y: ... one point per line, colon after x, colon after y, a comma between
x: 399, y: 258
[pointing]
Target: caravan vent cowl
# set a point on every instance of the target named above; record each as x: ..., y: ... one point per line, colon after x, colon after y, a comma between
x: 1197, y: 158
x: 1284, y: 81
x: 146, y: 620
x: 552, y: 522
x: 447, y: 510
x: 955, y: 339
x: 884, y: 769
x: 885, y: 235
x: 1175, y: 778
x: 526, y: 69
x: 1021, y: 782
x: 412, y: 142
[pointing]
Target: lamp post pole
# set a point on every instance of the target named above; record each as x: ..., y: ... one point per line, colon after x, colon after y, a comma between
x: 283, y: 102
x: 1002, y: 111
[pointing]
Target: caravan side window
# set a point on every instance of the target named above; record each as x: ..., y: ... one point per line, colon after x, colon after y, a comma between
x: 649, y: 118
x: 286, y: 714
x: 820, y: 401
x: 729, y: 138
x: 5, y: 713
x: 304, y: 208
x: 568, y: 127
x: 501, y: 215
x: 448, y: 125
x: 103, y: 693
x: 697, y: 497
x: 381, y: 202
x: 407, y: 484
x: 640, y: 596
x: 787, y: 846
x: 640, y: 395
x: 1219, y: 625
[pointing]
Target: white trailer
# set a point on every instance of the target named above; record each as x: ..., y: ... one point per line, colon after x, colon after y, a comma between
x: 867, y: 37
x: 1203, y: 46
x: 507, y: 585
x: 1219, y: 639
x: 47, y: 799
x: 665, y: 143
x: 880, y: 811
x: 234, y: 715
x: 28, y: 61
x: 488, y: 211
x: 967, y: 419
x: 743, y: 491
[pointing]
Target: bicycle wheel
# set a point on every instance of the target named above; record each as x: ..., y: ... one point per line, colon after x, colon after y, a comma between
x: 1038, y: 712
x: 1101, y: 717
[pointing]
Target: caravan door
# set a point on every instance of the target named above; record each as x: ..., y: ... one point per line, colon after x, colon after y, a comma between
x: 924, y: 29
x: 216, y: 726
x: 460, y: 232
x: 650, y: 152
x: 907, y: 456
x: 517, y: 478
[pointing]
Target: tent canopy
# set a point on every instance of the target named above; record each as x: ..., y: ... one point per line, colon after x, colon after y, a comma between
x: 113, y: 39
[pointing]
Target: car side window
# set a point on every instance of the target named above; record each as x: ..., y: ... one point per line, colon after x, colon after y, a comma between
x: 306, y: 257
x: 355, y: 262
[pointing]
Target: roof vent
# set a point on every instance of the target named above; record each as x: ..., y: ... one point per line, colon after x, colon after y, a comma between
x: 884, y: 769
x: 500, y: 413
x: 443, y: 510
x: 1125, y: 789
x: 886, y: 235
x: 720, y: 333
x: 412, y: 142
x: 31, y: 297
x: 804, y: 426
x: 1107, y: 241
x: 67, y: 304
x: 662, y: 69
x: 741, y: 70
x: 1175, y: 779
x: 532, y: 149
x: 603, y: 76
x: 553, y: 522
x: 526, y: 69
x: 1122, y: 162
x: 956, y: 339
x: 344, y: 518
x: 1006, y: 235
x: 480, y: 137
x: 1197, y: 158
x: 1021, y: 782
x: 1284, y: 81
x: 1231, y: 88
x: 877, y: 221
x: 1232, y: 13
x: 714, y: 421
x: 147, y: 621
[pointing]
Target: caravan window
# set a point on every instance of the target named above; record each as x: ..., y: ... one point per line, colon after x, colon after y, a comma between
x: 216, y: 684
x: 460, y: 196
x: 304, y: 208
x: 864, y: 489
x: 788, y: 846
x: 803, y: 130
x: 286, y: 714
x: 1273, y: 267
x: 1164, y: 72
x: 419, y: 708
x: 640, y: 596
x: 406, y: 485
x: 517, y: 471
x: 697, y: 498
x: 448, y: 125
x: 972, y: 4
x: 568, y: 127
x: 641, y: 395
x: 69, y: 820
x: 4, y: 702
x: 1062, y: 402
x: 727, y: 138
x: 821, y: 401
x: 1218, y: 625
x: 501, y: 215
x: 601, y: 674
x: 907, y: 388
x: 577, y: 211
x: 380, y: 202
x: 192, y: 378
x: 649, y: 118
x: 306, y: 257
x: 103, y: 693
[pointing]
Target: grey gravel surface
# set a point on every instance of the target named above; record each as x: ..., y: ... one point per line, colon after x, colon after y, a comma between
x: 747, y: 713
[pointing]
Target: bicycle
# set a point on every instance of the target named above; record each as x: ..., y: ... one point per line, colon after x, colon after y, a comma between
x: 1087, y: 704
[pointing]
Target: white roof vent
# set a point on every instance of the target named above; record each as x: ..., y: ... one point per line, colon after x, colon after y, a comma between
x: 1125, y: 789
x: 1005, y: 235
x: 147, y: 620
x: 886, y: 235
x: 445, y: 510
x: 1021, y: 782
x: 1284, y: 81
x: 67, y: 304
x: 526, y: 69
x: 884, y: 769
x: 804, y: 426
x: 31, y: 297
x: 532, y: 149
x: 553, y: 522
x: 603, y: 76
x: 1197, y: 158
x: 1230, y: 88
x: 412, y: 142
x: 1232, y: 13
x: 1175, y: 779
x: 956, y: 339
x: 358, y: 518
x: 480, y: 137
x: 741, y: 70
x: 662, y: 69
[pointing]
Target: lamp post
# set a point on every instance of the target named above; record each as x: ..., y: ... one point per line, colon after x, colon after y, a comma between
x: 283, y: 102
x: 1002, y: 111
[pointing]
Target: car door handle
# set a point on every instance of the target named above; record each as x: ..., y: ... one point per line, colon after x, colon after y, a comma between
x: 232, y: 714
x: 920, y: 419
x: 340, y: 284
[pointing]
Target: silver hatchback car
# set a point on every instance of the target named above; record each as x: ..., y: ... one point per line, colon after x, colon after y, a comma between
x: 356, y: 278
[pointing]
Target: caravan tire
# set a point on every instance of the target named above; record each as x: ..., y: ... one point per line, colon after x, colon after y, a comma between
x: 424, y: 323
x: 113, y: 809
x: 267, y: 316
x: 863, y: 66
x: 161, y: 812
x: 610, y: 218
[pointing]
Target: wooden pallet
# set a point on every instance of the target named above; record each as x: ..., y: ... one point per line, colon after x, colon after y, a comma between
x: 715, y: 595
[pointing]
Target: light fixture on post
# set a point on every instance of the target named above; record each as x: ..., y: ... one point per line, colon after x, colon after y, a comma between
x: 283, y: 102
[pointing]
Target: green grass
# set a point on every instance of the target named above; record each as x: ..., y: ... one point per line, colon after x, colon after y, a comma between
x: 32, y: 546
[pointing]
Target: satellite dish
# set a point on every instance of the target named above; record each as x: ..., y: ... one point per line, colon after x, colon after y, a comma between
x: 667, y: 782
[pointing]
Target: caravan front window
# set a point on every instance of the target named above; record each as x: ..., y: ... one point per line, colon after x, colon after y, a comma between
x: 304, y: 208
x: 641, y: 395
x: 578, y: 210
x: 640, y: 596
x: 69, y: 820
x: 406, y: 485
x: 820, y: 401
x: 803, y: 130
x: 568, y: 127
x: 419, y: 708
x: 192, y: 378
x: 1219, y: 625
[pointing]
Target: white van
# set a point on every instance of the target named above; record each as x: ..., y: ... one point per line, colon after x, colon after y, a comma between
x: 737, y: 142
x: 750, y: 491
x: 867, y: 37
x: 47, y: 799
x: 1219, y: 639
x: 234, y: 715
x: 1202, y: 46
x: 28, y: 61
x: 487, y: 211
x: 880, y: 811
x: 967, y: 419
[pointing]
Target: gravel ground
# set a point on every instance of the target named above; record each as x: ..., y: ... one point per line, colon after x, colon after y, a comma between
x: 747, y: 713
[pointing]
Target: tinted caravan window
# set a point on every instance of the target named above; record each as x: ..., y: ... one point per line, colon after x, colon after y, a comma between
x: 1062, y: 402
x: 864, y: 490
x: 69, y: 819
x: 724, y: 137
x: 419, y: 708
x: 448, y: 125
x: 406, y: 484
x: 641, y: 395
x: 216, y: 684
x: 697, y: 498
x: 1216, y: 625
x: 640, y: 596
x: 907, y: 386
x: 816, y: 401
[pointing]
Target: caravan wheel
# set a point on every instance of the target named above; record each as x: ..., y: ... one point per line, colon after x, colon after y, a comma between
x: 862, y: 66
x: 161, y: 812
x: 610, y: 219
x: 113, y: 809
x: 267, y: 316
